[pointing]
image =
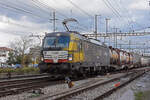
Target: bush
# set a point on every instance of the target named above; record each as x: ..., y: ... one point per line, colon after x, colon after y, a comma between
x: 138, y: 96
x: 6, y: 70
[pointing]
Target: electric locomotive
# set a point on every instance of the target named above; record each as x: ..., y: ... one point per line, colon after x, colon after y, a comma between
x: 73, y: 53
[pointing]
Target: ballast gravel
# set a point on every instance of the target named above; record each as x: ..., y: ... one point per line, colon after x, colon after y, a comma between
x: 127, y: 92
x: 91, y: 94
x: 46, y: 90
x: 54, y: 89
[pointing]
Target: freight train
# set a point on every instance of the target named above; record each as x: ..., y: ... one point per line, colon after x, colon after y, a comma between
x: 73, y: 53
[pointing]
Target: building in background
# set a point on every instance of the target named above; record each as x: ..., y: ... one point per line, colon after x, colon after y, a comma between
x: 4, y: 54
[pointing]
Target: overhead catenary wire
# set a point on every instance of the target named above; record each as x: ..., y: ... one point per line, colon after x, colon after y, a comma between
x: 39, y: 8
x: 19, y: 25
x: 111, y: 9
x: 38, y: 4
x: 115, y: 12
x: 120, y: 9
x: 128, y: 17
x: 6, y: 6
x: 49, y: 7
x: 114, y: 9
x: 30, y: 6
x: 130, y: 20
x: 123, y: 9
x: 16, y: 24
x: 84, y: 27
x: 16, y: 32
x: 83, y: 11
x: 15, y: 9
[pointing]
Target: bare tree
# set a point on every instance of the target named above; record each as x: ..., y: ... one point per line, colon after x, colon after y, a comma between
x: 21, y: 46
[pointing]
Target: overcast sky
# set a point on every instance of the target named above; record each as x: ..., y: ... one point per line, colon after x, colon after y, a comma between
x: 21, y: 17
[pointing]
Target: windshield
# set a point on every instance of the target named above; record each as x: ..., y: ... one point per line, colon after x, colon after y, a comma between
x: 61, y: 42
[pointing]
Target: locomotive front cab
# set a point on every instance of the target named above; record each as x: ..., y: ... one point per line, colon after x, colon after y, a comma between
x: 61, y: 51
x: 55, y: 48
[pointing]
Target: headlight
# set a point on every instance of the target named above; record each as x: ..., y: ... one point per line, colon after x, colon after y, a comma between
x: 70, y: 57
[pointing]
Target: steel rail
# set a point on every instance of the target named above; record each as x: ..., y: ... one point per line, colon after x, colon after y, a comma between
x: 109, y: 92
x: 15, y: 86
x: 22, y: 76
x: 78, y: 90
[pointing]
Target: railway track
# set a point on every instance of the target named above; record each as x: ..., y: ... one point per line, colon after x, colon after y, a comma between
x: 18, y: 85
x: 15, y: 86
x: 109, y: 91
x: 29, y: 82
x: 102, y: 89
x: 21, y: 76
x: 23, y: 83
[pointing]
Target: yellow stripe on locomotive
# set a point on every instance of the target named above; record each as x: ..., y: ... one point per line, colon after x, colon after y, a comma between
x: 75, y: 49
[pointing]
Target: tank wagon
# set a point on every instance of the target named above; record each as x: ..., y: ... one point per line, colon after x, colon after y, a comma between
x: 120, y: 59
x: 73, y: 53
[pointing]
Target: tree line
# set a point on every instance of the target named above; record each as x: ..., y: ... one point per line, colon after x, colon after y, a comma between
x: 20, y: 53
